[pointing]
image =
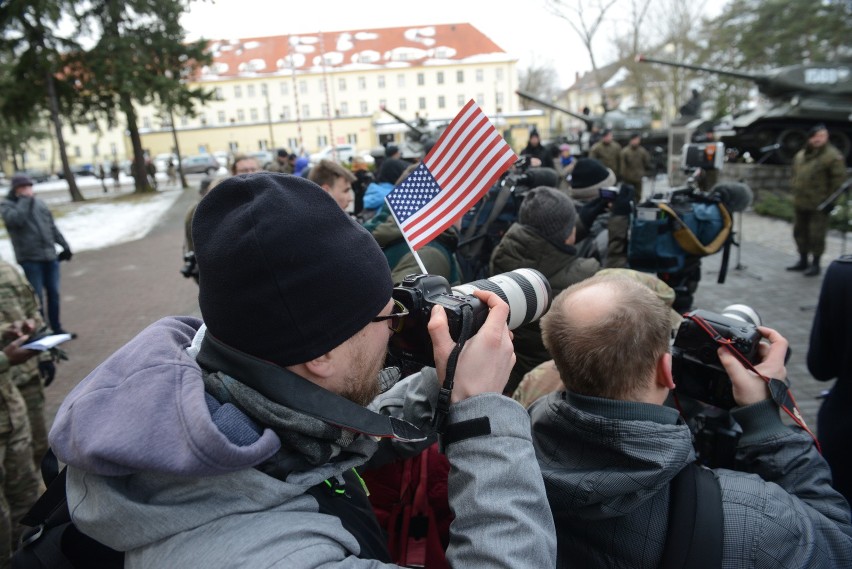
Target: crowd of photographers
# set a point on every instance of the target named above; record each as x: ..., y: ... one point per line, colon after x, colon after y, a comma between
x: 245, y: 438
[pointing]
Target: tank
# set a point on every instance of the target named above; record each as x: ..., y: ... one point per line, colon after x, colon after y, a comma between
x: 419, y: 138
x: 622, y: 123
x: 800, y: 96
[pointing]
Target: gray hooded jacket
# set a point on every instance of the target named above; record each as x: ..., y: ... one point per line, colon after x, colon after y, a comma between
x: 31, y: 228
x: 607, y: 466
x: 151, y: 473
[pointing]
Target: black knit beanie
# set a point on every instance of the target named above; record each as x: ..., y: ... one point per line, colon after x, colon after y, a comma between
x: 285, y: 274
x: 548, y: 212
x: 391, y: 170
x: 588, y: 177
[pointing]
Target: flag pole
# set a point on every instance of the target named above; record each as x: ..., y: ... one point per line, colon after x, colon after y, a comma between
x: 407, y: 242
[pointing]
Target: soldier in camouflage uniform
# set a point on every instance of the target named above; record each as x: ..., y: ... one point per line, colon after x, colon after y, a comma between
x: 19, y: 312
x: 281, y: 164
x: 544, y: 378
x: 608, y: 152
x: 18, y: 477
x: 635, y: 163
x: 818, y: 170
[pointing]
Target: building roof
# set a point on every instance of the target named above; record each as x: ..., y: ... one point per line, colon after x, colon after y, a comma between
x: 364, y: 49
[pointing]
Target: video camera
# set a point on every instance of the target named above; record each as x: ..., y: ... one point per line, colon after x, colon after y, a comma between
x: 526, y: 291
x: 705, y: 155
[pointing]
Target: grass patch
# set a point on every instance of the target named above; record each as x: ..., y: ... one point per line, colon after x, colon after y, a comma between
x: 780, y: 206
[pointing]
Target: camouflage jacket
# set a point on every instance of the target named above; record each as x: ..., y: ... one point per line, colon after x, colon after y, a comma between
x: 279, y: 167
x: 607, y: 154
x: 18, y: 302
x: 817, y: 172
x: 635, y: 162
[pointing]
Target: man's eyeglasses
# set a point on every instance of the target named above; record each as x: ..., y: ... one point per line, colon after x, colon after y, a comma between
x: 394, y: 319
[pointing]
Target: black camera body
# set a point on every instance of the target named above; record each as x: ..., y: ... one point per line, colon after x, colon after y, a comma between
x: 189, y: 268
x: 419, y: 293
x: 695, y: 364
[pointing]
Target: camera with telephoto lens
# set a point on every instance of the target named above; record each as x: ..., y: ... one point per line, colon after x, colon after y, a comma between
x: 526, y: 291
x: 696, y: 368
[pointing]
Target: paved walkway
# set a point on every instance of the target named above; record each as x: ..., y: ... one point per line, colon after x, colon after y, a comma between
x: 110, y: 295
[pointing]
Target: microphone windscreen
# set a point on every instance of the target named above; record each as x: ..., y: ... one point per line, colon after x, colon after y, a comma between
x: 535, y: 177
x: 735, y: 195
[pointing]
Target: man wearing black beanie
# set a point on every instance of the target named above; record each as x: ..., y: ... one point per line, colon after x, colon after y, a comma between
x: 234, y: 442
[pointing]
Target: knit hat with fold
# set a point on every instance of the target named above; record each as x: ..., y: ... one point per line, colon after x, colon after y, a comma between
x: 285, y: 274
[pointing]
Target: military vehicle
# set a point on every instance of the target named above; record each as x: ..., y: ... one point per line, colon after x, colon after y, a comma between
x: 800, y: 97
x: 622, y: 123
x: 419, y: 138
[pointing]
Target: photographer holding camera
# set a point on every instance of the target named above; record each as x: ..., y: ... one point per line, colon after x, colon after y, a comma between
x: 617, y: 463
x: 234, y: 443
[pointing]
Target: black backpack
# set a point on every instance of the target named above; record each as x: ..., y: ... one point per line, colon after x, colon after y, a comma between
x: 54, y: 542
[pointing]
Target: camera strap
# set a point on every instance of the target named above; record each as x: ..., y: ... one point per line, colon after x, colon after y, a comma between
x: 778, y: 390
x: 442, y: 410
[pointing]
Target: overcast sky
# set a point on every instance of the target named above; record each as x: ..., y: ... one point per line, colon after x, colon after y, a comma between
x: 523, y: 28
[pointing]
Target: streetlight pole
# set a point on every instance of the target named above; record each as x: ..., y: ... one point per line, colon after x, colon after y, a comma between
x: 269, y: 118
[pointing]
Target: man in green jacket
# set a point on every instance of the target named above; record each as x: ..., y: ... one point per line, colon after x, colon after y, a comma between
x: 818, y: 171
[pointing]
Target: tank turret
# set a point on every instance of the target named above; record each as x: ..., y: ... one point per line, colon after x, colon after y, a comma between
x: 800, y: 97
x: 419, y: 138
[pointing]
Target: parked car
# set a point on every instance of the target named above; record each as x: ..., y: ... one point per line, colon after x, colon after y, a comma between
x: 342, y: 153
x: 223, y: 157
x: 36, y: 174
x: 263, y: 157
x: 201, y: 164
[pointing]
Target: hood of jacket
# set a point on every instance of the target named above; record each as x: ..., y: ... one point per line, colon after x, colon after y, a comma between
x: 144, y: 409
x: 521, y: 247
x: 602, y: 458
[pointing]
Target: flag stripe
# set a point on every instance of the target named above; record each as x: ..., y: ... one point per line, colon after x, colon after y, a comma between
x: 451, y: 149
x: 475, y: 144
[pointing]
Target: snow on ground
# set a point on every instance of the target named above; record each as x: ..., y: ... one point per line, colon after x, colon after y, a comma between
x: 102, y: 224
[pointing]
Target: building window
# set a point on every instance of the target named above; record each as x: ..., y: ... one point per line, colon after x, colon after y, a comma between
x: 421, y: 103
x: 263, y: 90
x: 352, y: 138
x: 95, y: 150
x: 421, y: 79
x: 285, y: 113
x: 442, y: 103
x: 303, y: 87
x: 184, y: 120
x: 403, y: 104
x: 324, y: 109
x: 218, y: 94
x: 250, y: 90
x: 285, y: 88
x: 341, y: 84
x: 203, y: 119
x: 480, y: 76
x: 383, y: 103
x: 221, y: 117
x: 440, y: 76
x: 362, y: 82
x: 344, y: 109
x: 238, y: 91
x: 499, y: 73
x: 400, y: 80
x: 113, y: 149
x: 146, y: 122
x: 460, y: 76
x: 480, y: 99
x: 42, y: 154
x: 322, y: 140
x: 499, y: 98
x: 241, y: 115
x: 77, y: 152
x: 293, y: 143
x: 364, y: 107
x: 321, y: 85
x: 461, y: 100
x: 253, y: 114
x: 381, y: 80
x: 306, y: 111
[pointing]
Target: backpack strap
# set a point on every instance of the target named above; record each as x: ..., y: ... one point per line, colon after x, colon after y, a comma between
x: 687, y: 239
x: 694, y: 536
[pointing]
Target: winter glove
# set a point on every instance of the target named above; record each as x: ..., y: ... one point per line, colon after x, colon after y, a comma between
x: 65, y: 255
x: 623, y: 204
x: 47, y: 370
x: 589, y: 212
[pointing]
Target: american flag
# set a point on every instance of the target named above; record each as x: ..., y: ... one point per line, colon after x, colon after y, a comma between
x: 467, y: 159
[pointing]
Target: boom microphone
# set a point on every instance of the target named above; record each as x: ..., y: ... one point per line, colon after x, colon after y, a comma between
x: 535, y: 177
x: 735, y: 195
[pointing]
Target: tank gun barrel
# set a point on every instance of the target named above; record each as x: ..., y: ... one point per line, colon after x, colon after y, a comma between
x: 588, y: 121
x: 413, y: 128
x: 737, y: 74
